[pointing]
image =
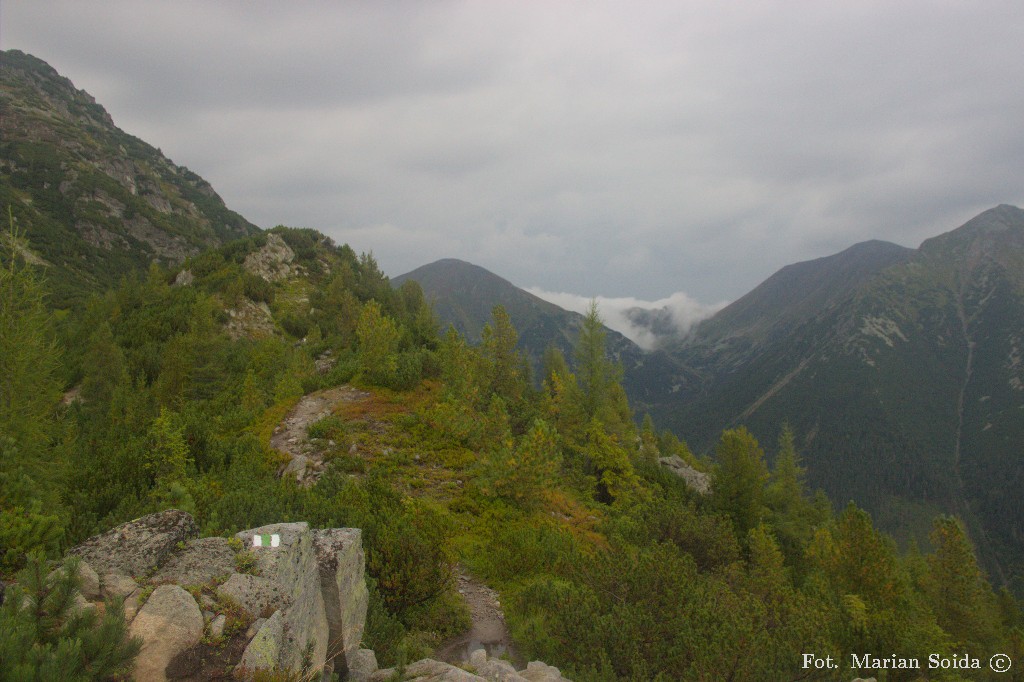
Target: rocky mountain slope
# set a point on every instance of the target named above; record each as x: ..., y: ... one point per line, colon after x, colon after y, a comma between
x: 91, y: 201
x: 899, y: 369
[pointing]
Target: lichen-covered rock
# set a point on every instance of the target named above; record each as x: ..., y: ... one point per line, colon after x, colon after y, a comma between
x: 429, y: 670
x: 132, y: 603
x: 140, y: 546
x: 292, y: 565
x: 168, y: 623
x: 117, y: 585
x: 541, y: 672
x: 497, y: 670
x: 255, y: 594
x: 217, y: 625
x: 361, y: 665
x: 340, y: 562
x: 478, y: 658
x: 264, y: 650
x: 199, y: 563
x: 89, y: 582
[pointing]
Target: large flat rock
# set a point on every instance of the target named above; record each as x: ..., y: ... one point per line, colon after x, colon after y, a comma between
x: 340, y: 561
x: 292, y: 565
x: 138, y: 547
x: 199, y: 563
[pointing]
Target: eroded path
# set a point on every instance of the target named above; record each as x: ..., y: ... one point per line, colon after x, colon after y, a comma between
x: 488, y: 631
x: 307, y: 461
x: 370, y: 435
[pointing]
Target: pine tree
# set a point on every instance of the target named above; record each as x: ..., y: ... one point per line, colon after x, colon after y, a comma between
x: 30, y: 467
x: 103, y: 364
x: 792, y: 513
x: 378, y: 345
x: 29, y: 361
x: 45, y: 636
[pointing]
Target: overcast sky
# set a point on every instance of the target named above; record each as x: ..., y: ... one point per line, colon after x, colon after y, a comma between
x: 618, y: 149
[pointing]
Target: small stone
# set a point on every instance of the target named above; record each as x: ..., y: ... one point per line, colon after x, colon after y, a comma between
x: 90, y: 582
x: 217, y: 626
x: 117, y: 585
x: 254, y: 628
x: 362, y: 664
x: 131, y: 605
x: 477, y: 658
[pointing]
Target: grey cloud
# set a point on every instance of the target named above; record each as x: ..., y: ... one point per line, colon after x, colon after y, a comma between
x: 626, y: 150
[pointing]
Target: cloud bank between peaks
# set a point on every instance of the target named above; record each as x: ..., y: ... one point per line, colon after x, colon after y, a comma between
x: 645, y: 323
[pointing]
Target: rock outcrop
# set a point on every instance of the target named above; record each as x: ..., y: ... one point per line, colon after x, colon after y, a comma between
x: 273, y: 261
x: 138, y: 547
x: 281, y: 597
x: 299, y: 598
x: 698, y: 481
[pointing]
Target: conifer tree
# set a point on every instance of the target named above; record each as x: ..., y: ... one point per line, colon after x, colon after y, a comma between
x: 964, y: 603
x: 29, y: 361
x: 737, y: 487
x: 378, y: 344
x: 602, y: 395
x: 103, y: 364
x: 44, y: 636
x: 30, y: 467
x: 792, y: 514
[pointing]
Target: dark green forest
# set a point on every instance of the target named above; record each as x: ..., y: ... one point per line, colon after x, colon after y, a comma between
x: 157, y: 394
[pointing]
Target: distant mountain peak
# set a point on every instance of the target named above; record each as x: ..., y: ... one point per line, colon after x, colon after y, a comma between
x: 995, y: 236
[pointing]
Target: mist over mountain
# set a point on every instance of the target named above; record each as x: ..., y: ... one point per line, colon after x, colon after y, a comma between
x: 648, y: 324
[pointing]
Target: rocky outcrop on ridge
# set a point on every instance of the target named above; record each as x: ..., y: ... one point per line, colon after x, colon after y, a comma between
x: 279, y: 596
x: 282, y: 597
x: 273, y: 261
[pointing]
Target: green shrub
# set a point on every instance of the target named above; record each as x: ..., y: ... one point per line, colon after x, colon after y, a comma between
x: 328, y: 428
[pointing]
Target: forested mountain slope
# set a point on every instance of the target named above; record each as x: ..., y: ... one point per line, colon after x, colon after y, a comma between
x: 91, y: 201
x: 899, y: 370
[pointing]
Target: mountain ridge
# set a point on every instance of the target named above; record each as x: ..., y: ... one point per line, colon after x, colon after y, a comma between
x: 904, y: 389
